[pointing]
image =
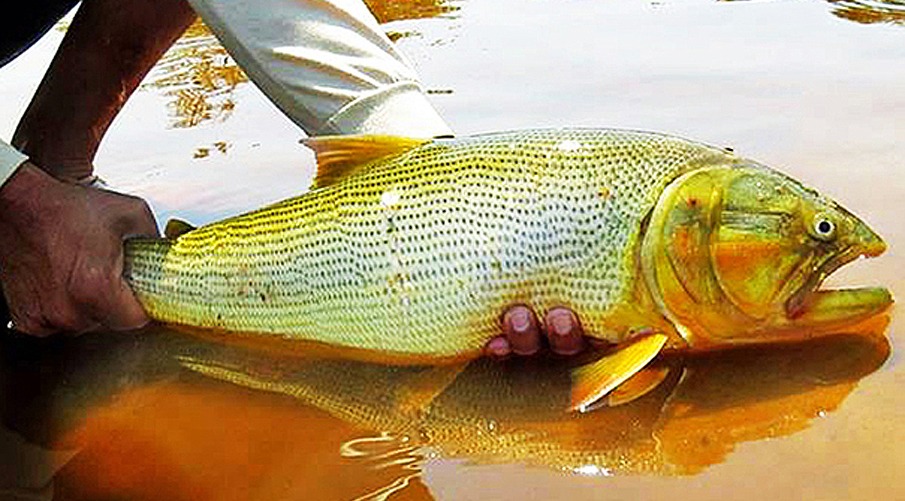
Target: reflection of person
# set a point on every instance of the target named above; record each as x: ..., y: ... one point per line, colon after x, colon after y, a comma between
x: 325, y: 63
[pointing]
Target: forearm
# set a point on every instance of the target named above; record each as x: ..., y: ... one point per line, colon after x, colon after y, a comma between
x: 108, y: 49
x: 326, y: 64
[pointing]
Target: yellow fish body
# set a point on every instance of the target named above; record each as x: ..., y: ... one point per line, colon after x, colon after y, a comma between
x: 410, y: 250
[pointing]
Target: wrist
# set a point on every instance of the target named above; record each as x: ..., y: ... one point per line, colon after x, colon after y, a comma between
x: 69, y: 170
x: 72, y: 172
x: 24, y: 189
x: 67, y: 160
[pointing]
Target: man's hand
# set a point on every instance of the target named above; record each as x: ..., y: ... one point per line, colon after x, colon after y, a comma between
x: 61, y: 254
x: 523, y: 334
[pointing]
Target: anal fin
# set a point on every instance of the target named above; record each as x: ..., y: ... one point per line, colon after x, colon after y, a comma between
x: 593, y: 381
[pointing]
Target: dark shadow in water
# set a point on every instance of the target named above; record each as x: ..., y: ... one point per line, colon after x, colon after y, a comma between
x: 866, y: 11
x: 377, y: 424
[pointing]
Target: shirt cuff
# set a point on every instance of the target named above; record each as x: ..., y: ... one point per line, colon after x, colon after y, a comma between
x: 10, y: 160
x: 399, y: 109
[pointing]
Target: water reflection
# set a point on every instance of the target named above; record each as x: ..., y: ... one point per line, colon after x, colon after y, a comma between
x: 143, y: 422
x: 201, y: 78
x: 387, y: 11
x: 867, y: 11
x: 514, y: 412
x: 870, y: 11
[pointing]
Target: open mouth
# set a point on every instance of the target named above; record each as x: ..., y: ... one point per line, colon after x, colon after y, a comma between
x: 822, y: 308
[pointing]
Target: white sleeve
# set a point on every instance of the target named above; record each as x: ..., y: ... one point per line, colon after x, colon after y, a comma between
x: 326, y: 64
x: 10, y: 159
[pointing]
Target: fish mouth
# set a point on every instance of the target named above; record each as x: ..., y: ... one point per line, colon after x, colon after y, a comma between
x: 817, y: 308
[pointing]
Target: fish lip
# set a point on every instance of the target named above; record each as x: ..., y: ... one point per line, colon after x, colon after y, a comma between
x: 873, y: 249
x: 796, y: 305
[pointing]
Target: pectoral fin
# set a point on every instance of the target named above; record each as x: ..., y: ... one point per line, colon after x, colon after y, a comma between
x: 635, y: 387
x: 592, y: 381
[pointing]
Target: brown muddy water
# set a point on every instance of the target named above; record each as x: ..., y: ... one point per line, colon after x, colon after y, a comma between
x: 816, y: 89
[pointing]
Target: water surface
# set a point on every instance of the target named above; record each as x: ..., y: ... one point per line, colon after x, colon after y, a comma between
x: 813, y: 88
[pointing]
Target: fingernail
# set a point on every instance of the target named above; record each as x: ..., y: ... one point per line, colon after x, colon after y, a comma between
x: 562, y: 324
x: 519, y: 320
x: 498, y: 347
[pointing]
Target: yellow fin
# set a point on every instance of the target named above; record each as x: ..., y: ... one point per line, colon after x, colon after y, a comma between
x: 592, y: 381
x: 175, y: 228
x: 635, y: 387
x: 340, y: 156
x: 421, y: 389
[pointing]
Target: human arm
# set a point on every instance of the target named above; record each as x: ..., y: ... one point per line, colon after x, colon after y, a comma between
x: 108, y: 48
x: 60, y: 243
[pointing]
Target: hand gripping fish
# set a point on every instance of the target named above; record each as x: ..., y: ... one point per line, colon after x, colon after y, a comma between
x: 407, y: 251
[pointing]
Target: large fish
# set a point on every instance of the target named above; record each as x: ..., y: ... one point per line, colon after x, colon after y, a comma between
x: 407, y: 251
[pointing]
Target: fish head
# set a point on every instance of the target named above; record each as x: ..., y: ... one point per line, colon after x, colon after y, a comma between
x: 737, y: 253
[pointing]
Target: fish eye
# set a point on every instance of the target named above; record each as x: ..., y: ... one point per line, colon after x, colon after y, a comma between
x: 823, y: 227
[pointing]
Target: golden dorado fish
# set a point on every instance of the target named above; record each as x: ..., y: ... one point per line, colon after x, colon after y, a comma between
x: 407, y: 251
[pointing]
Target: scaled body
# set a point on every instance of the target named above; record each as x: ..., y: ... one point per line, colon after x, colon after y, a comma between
x: 419, y: 253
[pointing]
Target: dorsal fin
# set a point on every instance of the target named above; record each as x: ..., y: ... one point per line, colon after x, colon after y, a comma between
x: 176, y: 227
x: 340, y: 156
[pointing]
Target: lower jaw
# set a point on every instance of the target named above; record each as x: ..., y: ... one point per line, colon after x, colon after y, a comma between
x: 820, y: 313
x: 824, y: 310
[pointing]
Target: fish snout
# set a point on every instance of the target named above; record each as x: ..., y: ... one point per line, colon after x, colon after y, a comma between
x: 866, y: 241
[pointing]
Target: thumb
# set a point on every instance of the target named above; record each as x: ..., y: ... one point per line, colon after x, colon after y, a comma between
x: 124, y: 311
x: 133, y: 217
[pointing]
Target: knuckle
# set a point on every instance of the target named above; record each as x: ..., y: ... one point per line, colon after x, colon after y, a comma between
x: 134, y: 204
x: 89, y: 289
x: 129, y: 215
x: 141, y: 217
x: 139, y: 207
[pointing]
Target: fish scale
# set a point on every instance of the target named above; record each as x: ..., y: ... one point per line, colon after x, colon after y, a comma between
x: 419, y: 253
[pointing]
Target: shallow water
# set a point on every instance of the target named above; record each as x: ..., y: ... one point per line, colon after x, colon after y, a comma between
x: 813, y: 88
